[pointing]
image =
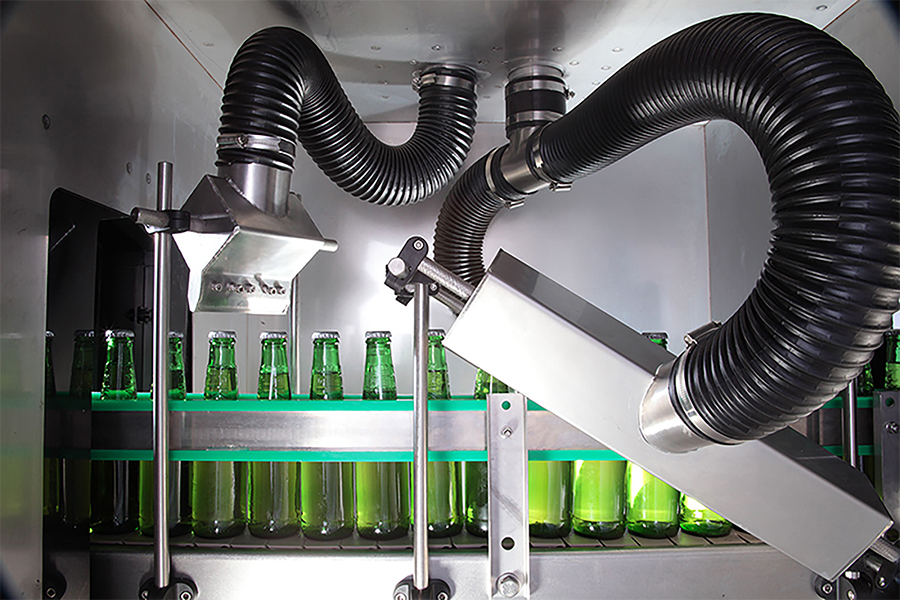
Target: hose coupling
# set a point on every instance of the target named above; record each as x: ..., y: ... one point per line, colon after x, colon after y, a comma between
x: 447, y: 75
x: 669, y: 420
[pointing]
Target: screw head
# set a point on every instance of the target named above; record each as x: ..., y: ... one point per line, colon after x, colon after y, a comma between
x: 508, y: 585
x: 443, y: 596
x: 50, y: 592
x: 882, y: 582
x: 506, y: 432
x: 400, y: 596
x: 892, y: 427
x: 45, y: 121
x: 851, y: 595
x: 129, y: 167
x: 827, y: 588
x: 145, y: 594
x: 418, y: 244
x: 186, y: 595
x: 148, y: 179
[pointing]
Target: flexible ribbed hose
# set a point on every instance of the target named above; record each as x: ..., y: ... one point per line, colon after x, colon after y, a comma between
x: 828, y: 136
x: 280, y: 84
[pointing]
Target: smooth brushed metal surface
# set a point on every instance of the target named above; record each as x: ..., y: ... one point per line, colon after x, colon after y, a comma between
x: 508, y: 550
x: 521, y: 327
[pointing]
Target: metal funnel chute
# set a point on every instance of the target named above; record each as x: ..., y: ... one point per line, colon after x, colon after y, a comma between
x: 241, y: 258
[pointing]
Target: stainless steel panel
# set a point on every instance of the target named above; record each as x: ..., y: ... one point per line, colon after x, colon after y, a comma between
x: 731, y: 571
x: 508, y: 552
x: 383, y: 431
x: 558, y: 349
x: 375, y: 46
x: 93, y: 95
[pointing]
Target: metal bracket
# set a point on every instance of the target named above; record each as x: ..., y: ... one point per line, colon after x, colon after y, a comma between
x: 412, y: 266
x: 508, y: 550
x: 887, y: 450
x: 179, y: 589
x: 436, y: 590
x: 162, y: 221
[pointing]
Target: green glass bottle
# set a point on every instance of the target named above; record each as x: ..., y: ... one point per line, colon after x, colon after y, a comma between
x: 652, y: 505
x: 598, y: 498
x: 52, y: 465
x: 216, y: 485
x: 114, y: 483
x: 892, y: 360
x: 865, y: 381
x: 444, y: 498
x: 695, y: 518
x: 549, y: 498
x: 475, y: 473
x: 179, y: 518
x: 382, y: 488
x: 326, y: 489
x: 75, y: 495
x: 274, y: 510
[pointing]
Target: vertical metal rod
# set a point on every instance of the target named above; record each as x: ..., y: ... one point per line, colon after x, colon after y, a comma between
x: 851, y: 450
x: 420, y: 437
x: 161, y: 281
x: 294, y: 325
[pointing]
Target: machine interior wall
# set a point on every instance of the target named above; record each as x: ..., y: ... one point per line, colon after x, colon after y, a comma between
x: 94, y: 94
x: 631, y: 239
x: 740, y: 207
x: 664, y: 240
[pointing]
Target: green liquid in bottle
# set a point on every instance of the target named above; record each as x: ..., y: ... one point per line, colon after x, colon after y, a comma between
x: 549, y: 502
x: 274, y: 494
x: 699, y: 520
x: 652, y: 504
x: 326, y: 489
x: 114, y: 484
x: 216, y: 486
x: 443, y: 498
x: 382, y: 488
x: 598, y: 505
x: 179, y: 517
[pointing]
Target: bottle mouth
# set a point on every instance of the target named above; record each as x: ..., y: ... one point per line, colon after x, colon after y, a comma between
x: 370, y: 335
x: 273, y: 335
x: 326, y: 335
x: 119, y: 333
x: 82, y: 333
x: 436, y: 333
x: 215, y: 335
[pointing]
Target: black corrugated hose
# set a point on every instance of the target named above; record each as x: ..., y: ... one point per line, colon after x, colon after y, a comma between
x: 828, y: 136
x: 280, y: 84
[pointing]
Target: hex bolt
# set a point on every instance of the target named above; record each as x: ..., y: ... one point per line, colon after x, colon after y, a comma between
x: 508, y: 585
x: 892, y: 427
x: 506, y: 432
x: 418, y: 244
x: 827, y: 588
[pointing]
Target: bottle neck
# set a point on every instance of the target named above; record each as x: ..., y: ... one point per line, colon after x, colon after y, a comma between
x: 438, y: 379
x: 326, y: 382
x: 221, y: 354
x: 274, y: 382
x: 485, y: 384
x: 379, y: 382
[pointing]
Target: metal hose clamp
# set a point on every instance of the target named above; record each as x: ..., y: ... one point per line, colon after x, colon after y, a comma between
x: 492, y: 187
x: 425, y: 78
x: 538, y: 163
x: 690, y: 411
x: 250, y: 141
